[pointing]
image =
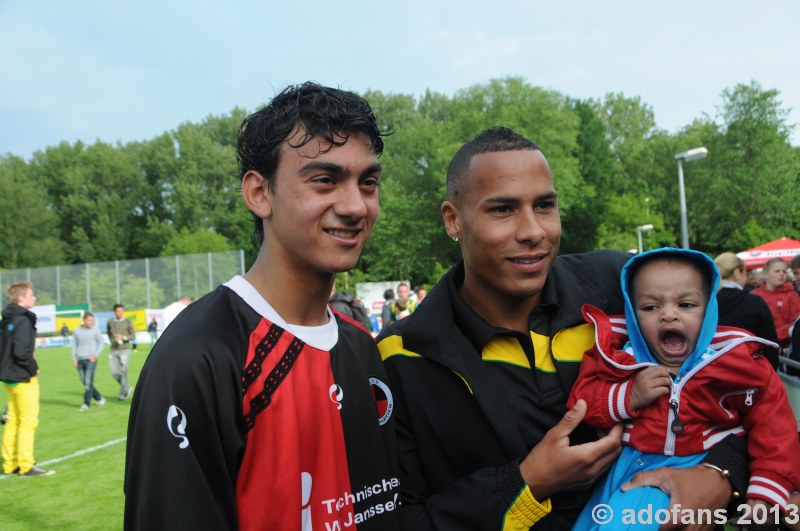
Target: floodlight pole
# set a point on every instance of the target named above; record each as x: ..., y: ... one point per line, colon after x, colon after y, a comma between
x: 688, y: 156
x: 639, y: 230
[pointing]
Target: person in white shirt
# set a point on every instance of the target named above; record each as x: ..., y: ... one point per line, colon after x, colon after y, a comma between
x: 172, y: 310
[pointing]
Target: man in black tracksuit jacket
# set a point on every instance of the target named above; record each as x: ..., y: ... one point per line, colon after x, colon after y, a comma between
x: 479, y: 401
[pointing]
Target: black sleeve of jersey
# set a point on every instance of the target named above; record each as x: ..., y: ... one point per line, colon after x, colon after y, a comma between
x: 185, y: 434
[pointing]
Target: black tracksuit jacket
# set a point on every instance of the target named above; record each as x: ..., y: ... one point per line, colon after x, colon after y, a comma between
x: 17, y: 364
x: 464, y: 424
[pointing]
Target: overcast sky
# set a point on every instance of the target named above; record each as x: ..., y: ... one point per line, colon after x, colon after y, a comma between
x: 125, y: 71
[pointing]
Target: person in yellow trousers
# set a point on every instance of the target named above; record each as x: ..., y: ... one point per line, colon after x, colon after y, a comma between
x: 19, y: 374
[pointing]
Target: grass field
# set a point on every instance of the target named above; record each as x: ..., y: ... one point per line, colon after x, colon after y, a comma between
x: 86, y: 449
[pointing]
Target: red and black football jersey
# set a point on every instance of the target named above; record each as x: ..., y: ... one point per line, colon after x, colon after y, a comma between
x: 237, y: 422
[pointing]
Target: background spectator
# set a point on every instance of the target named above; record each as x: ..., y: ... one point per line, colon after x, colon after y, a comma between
x: 783, y: 301
x: 86, y: 348
x: 794, y: 267
x: 65, y: 333
x: 121, y: 334
x: 19, y: 373
x: 421, y: 292
x: 403, y: 306
x: 153, y: 329
x: 345, y: 303
x: 739, y: 308
x: 386, y: 311
x: 172, y: 310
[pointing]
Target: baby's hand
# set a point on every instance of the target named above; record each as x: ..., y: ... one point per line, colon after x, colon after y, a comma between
x: 649, y: 384
x: 792, y: 505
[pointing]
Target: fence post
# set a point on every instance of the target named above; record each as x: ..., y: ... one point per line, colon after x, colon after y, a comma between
x: 177, y: 277
x: 88, y: 288
x: 210, y: 273
x: 147, y: 279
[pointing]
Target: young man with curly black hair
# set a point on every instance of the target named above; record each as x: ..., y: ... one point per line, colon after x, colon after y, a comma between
x: 260, y: 407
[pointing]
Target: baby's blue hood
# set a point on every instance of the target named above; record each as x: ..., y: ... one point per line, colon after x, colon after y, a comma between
x: 709, y: 322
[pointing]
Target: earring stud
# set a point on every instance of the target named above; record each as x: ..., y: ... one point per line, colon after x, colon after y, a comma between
x: 455, y: 238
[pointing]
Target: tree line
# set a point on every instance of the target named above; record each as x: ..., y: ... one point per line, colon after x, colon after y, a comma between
x: 614, y: 170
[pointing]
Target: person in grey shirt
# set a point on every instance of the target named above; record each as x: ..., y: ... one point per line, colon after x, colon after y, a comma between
x: 87, y: 344
x: 121, y: 335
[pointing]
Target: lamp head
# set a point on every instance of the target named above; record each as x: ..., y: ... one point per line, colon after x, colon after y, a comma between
x: 692, y: 154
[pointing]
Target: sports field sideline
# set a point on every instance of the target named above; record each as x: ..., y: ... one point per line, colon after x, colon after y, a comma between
x: 86, y: 449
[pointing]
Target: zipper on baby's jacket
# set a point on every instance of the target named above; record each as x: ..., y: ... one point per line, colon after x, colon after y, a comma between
x: 748, y: 398
x: 676, y: 426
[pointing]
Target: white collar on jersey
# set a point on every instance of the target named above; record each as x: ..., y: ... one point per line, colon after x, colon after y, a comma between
x: 323, y: 337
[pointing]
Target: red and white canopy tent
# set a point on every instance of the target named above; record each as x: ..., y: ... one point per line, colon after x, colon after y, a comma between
x: 785, y: 248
